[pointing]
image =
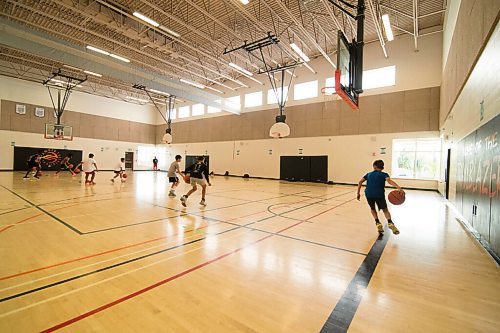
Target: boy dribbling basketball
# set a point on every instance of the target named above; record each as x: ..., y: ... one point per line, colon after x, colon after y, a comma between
x: 89, y: 166
x: 375, y: 194
x: 198, y: 176
x: 119, y: 169
x: 65, y: 165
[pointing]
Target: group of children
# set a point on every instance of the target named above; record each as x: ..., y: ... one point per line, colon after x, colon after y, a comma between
x: 198, y: 174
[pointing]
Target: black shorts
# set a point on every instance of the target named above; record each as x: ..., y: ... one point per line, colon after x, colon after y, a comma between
x: 117, y: 172
x: 32, y: 165
x: 173, y: 179
x: 381, y: 203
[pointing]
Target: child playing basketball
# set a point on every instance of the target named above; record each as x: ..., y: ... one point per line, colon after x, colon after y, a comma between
x: 172, y: 178
x: 199, y: 176
x: 34, y: 163
x: 89, y: 166
x: 375, y: 194
x: 119, y: 169
x: 65, y: 165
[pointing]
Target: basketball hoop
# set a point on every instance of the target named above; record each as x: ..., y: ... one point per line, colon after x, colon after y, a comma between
x: 167, y: 138
x: 279, y: 130
x: 58, y: 132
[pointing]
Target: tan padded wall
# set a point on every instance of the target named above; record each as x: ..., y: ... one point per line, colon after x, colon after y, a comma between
x: 84, y: 125
x: 475, y: 22
x: 405, y: 111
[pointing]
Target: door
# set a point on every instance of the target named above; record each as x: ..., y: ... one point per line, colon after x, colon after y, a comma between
x: 319, y: 169
x: 129, y: 160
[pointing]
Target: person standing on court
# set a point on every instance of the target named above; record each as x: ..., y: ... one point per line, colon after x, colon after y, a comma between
x: 89, y: 166
x: 155, y: 163
x: 198, y: 176
x: 172, y: 178
x: 375, y: 194
x: 34, y: 163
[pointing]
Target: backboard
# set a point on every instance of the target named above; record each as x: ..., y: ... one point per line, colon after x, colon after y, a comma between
x: 58, y: 132
x: 345, y: 75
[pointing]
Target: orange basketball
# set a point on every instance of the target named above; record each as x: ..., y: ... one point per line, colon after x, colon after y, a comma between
x: 396, y: 197
x: 76, y: 171
x: 187, y: 179
x: 124, y: 175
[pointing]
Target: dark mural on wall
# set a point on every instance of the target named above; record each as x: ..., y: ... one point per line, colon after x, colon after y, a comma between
x: 478, y: 182
x: 51, y: 158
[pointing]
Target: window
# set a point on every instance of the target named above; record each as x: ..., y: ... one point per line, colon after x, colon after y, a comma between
x: 234, y: 101
x: 330, y: 83
x: 305, y: 90
x: 253, y: 99
x: 173, y: 114
x: 213, y: 109
x: 198, y: 110
x: 183, y: 112
x: 380, y: 77
x: 271, y: 96
x: 416, y: 158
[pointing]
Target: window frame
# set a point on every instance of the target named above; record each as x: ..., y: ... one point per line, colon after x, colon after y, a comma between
x: 181, y: 109
x: 303, y: 90
x: 251, y: 95
x: 415, y: 153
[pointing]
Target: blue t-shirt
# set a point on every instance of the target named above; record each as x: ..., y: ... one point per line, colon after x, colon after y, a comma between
x: 375, y: 184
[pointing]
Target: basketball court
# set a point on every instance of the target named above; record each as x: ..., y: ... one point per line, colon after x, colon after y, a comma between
x: 286, y: 114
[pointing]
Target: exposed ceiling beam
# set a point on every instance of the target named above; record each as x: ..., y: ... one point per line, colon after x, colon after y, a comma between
x: 20, y: 37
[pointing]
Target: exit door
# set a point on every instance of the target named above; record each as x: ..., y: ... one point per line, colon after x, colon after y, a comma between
x: 129, y: 160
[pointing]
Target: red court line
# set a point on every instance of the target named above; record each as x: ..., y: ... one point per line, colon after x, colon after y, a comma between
x: 157, y: 284
x: 110, y: 251
x: 329, y: 209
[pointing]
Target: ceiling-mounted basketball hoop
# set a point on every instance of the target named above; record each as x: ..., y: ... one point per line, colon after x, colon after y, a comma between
x: 170, y: 104
x: 280, y: 129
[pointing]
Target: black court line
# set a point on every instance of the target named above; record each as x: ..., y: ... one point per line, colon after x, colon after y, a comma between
x: 342, y: 315
x: 126, y: 262
x: 46, y: 212
x: 15, y: 210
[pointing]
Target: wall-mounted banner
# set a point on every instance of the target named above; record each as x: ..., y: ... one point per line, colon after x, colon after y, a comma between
x: 40, y: 112
x: 20, y: 109
x: 51, y: 158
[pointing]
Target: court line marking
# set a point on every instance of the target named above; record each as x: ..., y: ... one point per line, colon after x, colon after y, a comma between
x: 159, y: 283
x: 86, y: 266
x: 237, y: 226
x: 183, y: 213
x: 100, y: 254
x: 5, y: 314
x: 44, y: 211
x: 342, y: 315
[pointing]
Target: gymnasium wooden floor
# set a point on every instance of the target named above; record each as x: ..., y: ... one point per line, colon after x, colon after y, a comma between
x: 263, y: 256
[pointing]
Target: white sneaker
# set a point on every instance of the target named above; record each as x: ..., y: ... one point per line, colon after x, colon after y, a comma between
x: 202, y: 202
x: 183, y: 200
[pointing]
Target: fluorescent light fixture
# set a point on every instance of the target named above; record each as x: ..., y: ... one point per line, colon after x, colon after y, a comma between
x: 194, y: 84
x: 170, y: 32
x: 159, y: 92
x: 59, y: 82
x: 387, y: 27
x: 217, y: 90
x: 72, y: 67
x: 245, y: 2
x: 95, y: 49
x: 241, y: 69
x: 301, y: 54
x: 92, y: 73
x: 146, y: 19
x: 118, y: 57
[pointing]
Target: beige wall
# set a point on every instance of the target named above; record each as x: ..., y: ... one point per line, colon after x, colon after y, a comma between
x: 84, y: 125
x: 483, y: 86
x: 404, y: 111
x: 349, y: 156
x: 475, y: 22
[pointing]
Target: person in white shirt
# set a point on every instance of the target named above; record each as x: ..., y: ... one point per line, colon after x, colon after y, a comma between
x: 172, y: 177
x: 89, y: 166
x: 119, y: 170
